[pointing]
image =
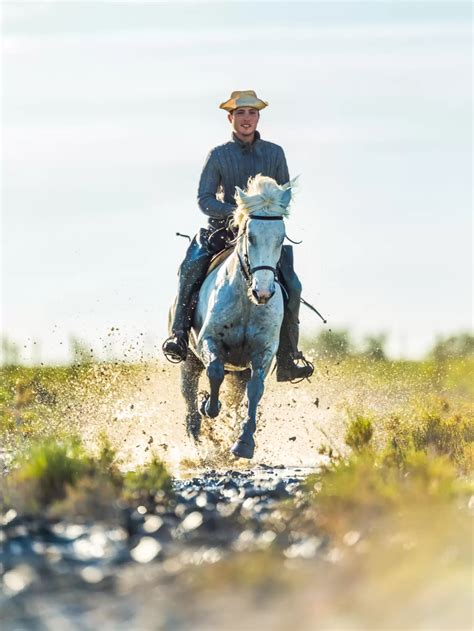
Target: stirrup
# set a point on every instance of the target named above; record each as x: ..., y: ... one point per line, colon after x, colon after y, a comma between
x: 298, y: 356
x: 179, y: 353
x: 306, y: 364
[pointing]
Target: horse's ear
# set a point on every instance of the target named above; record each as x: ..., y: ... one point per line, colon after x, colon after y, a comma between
x: 285, y: 198
x: 294, y: 182
x: 240, y: 196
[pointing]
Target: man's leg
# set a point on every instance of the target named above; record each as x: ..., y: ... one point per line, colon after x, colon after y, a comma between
x: 191, y: 274
x: 287, y: 353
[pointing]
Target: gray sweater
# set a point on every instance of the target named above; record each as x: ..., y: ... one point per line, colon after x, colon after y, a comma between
x: 230, y: 165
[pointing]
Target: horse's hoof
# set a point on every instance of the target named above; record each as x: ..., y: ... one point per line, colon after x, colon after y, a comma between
x: 243, y: 449
x: 212, y: 413
x: 193, y: 426
x: 205, y: 407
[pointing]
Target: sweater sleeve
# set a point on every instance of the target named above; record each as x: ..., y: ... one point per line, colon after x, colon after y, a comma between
x: 282, y: 174
x: 208, y: 187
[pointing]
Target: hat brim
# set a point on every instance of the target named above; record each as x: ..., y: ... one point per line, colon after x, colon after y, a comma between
x: 233, y: 104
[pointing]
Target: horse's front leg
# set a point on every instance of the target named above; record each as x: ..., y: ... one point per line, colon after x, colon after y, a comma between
x: 215, y: 372
x: 244, y: 446
x: 190, y: 372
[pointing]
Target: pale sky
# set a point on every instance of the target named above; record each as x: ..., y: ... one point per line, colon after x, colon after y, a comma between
x: 109, y: 110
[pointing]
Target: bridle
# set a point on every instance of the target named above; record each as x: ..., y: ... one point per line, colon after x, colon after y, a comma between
x: 248, y: 271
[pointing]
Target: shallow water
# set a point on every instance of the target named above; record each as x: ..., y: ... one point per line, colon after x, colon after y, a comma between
x: 50, y: 567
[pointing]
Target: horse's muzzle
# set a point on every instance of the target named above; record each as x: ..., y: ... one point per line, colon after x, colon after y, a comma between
x: 261, y: 297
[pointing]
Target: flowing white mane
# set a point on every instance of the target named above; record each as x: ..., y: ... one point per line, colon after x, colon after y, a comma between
x: 263, y: 197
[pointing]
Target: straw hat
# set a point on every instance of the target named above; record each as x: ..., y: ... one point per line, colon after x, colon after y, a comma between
x: 243, y: 98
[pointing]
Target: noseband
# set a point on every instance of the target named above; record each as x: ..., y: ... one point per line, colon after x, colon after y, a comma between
x: 248, y: 271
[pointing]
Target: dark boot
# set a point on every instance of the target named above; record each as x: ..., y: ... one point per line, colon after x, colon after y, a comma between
x: 288, y: 354
x: 191, y: 275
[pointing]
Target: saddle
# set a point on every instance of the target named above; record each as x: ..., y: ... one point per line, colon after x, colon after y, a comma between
x: 219, y: 258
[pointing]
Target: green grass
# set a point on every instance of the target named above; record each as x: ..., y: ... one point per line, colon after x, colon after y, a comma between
x: 45, y: 470
x: 359, y: 433
x: 148, y: 481
x: 48, y: 400
x: 59, y: 477
x: 420, y: 465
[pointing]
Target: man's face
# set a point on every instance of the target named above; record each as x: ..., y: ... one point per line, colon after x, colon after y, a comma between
x: 244, y: 121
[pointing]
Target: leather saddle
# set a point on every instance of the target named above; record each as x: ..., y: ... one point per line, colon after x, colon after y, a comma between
x: 219, y: 258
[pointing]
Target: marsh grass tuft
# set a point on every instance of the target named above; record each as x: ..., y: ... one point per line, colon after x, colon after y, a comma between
x: 353, y: 493
x: 148, y: 481
x: 359, y: 433
x: 449, y: 435
x: 58, y: 477
x: 416, y: 463
x: 43, y: 471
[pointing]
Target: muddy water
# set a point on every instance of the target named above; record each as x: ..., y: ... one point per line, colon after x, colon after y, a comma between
x: 59, y: 575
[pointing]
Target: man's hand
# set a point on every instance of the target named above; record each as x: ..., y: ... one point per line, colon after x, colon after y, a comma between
x: 229, y: 226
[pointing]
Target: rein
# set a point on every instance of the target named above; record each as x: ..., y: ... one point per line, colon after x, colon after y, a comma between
x: 247, y: 271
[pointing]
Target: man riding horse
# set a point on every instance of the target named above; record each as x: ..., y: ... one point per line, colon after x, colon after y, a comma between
x: 227, y: 166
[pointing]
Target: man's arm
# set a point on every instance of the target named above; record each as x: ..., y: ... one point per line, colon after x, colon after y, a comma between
x: 282, y: 175
x: 208, y: 187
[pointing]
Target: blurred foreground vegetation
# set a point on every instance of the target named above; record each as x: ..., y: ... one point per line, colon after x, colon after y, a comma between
x: 59, y: 477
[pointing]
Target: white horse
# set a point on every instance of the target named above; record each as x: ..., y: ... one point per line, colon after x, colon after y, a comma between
x: 236, y: 326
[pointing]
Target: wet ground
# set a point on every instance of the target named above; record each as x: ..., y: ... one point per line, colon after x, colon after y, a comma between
x: 58, y: 574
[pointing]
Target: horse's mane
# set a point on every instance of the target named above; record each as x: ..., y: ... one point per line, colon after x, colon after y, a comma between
x: 263, y: 196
